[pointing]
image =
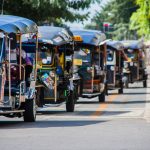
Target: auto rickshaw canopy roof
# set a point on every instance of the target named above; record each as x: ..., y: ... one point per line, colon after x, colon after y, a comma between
x: 133, y: 44
x: 54, y: 35
x: 17, y: 25
x: 91, y: 37
x: 115, y: 45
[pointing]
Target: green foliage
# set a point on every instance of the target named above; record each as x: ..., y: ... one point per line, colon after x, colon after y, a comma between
x: 50, y: 11
x: 140, y: 20
x: 117, y: 13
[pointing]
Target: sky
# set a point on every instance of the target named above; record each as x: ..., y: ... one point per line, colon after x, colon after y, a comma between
x: 92, y: 10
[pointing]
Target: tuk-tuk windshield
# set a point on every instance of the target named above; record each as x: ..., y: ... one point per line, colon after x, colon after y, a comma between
x: 110, y: 55
x: 82, y: 57
x: 46, y: 55
x: 131, y: 54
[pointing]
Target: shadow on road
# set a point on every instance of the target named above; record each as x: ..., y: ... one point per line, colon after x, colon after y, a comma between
x: 87, y: 102
x: 136, y: 87
x: 83, y: 113
x: 132, y: 93
x: 46, y: 124
x: 129, y: 102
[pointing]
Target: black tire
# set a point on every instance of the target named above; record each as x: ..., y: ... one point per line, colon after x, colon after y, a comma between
x: 106, y: 89
x: 70, y: 103
x: 120, y: 91
x: 145, y: 83
x: 40, y: 97
x: 76, y: 95
x: 101, y: 97
x: 30, y: 111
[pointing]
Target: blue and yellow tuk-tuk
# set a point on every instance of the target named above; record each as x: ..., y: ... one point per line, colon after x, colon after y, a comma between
x: 115, y: 64
x: 90, y: 63
x: 55, y: 67
x: 135, y: 66
x: 17, y: 68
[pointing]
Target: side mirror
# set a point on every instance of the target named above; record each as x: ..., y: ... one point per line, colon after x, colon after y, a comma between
x: 59, y: 70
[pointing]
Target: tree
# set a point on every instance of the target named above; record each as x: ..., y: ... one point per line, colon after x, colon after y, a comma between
x: 51, y: 11
x: 117, y: 13
x: 140, y: 20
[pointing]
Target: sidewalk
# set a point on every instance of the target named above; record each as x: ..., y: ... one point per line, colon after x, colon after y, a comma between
x: 147, y: 106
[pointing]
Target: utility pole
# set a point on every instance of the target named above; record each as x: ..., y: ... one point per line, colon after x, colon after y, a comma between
x: 2, y: 12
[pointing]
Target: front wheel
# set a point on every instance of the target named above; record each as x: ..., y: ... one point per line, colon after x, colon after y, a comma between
x: 30, y: 110
x: 102, y: 97
x: 145, y: 83
x: 70, y: 104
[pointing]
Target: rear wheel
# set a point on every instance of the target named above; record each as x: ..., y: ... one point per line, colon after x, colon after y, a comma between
x: 30, y: 110
x: 145, y: 83
x: 106, y: 89
x: 120, y: 91
x: 70, y: 104
x: 40, y: 97
x: 102, y: 97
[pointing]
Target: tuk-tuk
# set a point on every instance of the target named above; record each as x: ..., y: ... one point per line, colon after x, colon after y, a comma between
x: 17, y: 68
x: 55, y: 67
x: 90, y: 63
x: 115, y: 64
x: 135, y: 66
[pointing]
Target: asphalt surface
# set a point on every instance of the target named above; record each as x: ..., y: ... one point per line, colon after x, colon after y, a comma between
x: 122, y: 123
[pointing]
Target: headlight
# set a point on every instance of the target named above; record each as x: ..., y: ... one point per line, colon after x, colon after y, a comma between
x: 44, y: 61
x: 112, y: 68
x: 125, y: 65
x: 89, y: 68
x: 131, y: 63
x: 135, y: 64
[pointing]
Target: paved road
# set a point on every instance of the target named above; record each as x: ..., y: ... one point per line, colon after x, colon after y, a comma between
x: 122, y: 123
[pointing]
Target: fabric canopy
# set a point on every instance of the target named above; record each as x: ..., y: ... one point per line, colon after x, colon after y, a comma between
x: 15, y: 24
x: 54, y: 35
x: 91, y: 37
x: 133, y: 44
x: 116, y: 45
